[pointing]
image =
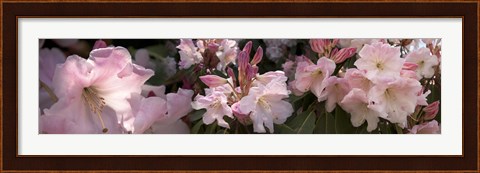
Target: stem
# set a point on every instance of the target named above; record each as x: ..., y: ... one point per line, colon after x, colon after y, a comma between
x: 49, y: 91
x: 234, y: 92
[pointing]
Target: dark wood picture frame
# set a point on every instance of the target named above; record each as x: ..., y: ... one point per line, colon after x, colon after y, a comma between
x: 12, y: 10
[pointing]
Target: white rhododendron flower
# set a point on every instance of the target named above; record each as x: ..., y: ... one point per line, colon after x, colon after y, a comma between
x: 425, y: 62
x: 313, y: 77
x: 216, y: 104
x: 336, y: 89
x: 266, y: 105
x: 357, y: 104
x: 358, y: 79
x: 380, y: 60
x: 397, y: 98
x: 189, y: 54
x: 96, y: 90
x: 227, y: 53
x: 240, y: 86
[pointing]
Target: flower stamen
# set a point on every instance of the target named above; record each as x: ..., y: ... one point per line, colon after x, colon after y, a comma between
x: 95, y: 103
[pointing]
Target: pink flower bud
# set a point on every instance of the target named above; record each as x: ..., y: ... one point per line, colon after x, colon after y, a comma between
x: 213, y: 47
x: 343, y: 54
x: 258, y: 56
x: 99, y: 44
x: 318, y: 45
x: 334, y: 42
x: 331, y: 55
x: 242, y: 61
x: 409, y: 66
x: 231, y: 74
x: 248, y: 47
x: 431, y: 127
x: 251, y: 72
x: 431, y: 110
x: 241, y: 116
x: 213, y: 80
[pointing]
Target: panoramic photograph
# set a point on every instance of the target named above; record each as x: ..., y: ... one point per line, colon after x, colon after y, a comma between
x: 240, y: 86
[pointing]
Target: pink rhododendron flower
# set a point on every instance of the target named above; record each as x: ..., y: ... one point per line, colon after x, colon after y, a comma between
x: 359, y: 43
x: 177, y: 105
x: 431, y: 110
x: 380, y: 60
x: 397, y: 98
x: 358, y: 79
x: 49, y: 59
x: 241, y: 117
x: 289, y: 68
x: 266, y: 104
x: 431, y: 127
x: 267, y: 77
x: 293, y: 88
x: 216, y: 104
x: 188, y: 54
x: 356, y: 103
x: 335, y: 90
x: 145, y: 111
x: 226, y: 53
x: 313, y: 77
x: 425, y: 62
x: 96, y: 90
x: 422, y: 98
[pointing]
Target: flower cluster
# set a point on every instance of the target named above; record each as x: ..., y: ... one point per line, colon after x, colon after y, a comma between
x: 250, y: 97
x: 222, y: 86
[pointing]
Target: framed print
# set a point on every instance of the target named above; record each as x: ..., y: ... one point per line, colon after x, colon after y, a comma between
x: 239, y: 86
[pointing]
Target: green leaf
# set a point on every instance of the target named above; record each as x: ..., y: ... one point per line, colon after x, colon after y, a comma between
x: 398, y: 129
x: 211, y: 128
x: 223, y: 131
x: 349, y: 63
x: 303, y: 123
x: 362, y: 129
x: 384, y: 127
x: 219, y: 73
x: 196, y: 129
x: 196, y: 115
x: 293, y: 98
x: 343, y: 124
x: 308, y: 100
x: 283, y: 129
x: 325, y: 123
